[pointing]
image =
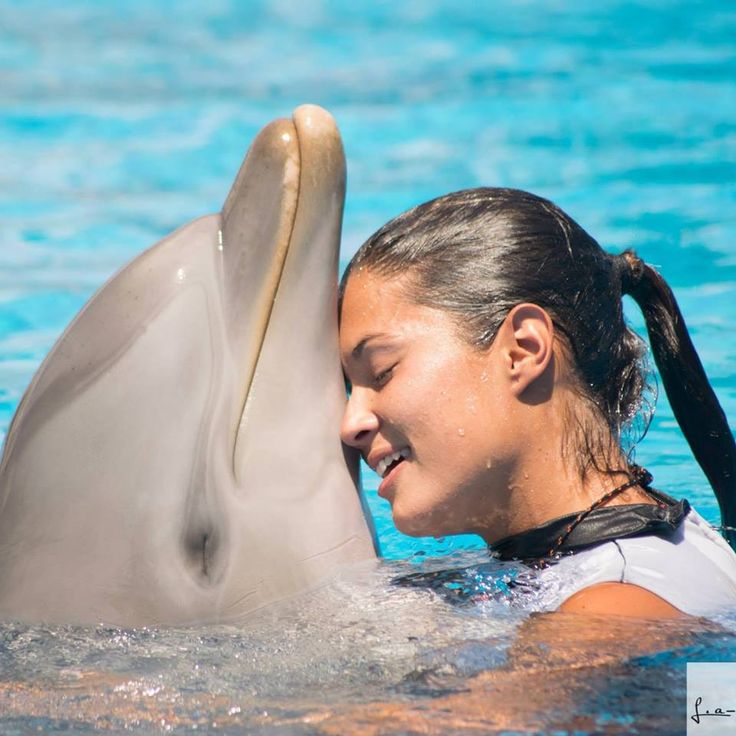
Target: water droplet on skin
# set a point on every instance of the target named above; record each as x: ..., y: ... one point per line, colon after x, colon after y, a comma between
x: 488, y: 463
x: 461, y: 431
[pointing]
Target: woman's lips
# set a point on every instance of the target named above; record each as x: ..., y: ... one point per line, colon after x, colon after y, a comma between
x: 388, y: 460
x: 388, y: 480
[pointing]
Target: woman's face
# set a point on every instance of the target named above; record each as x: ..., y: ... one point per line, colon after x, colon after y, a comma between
x: 431, y: 414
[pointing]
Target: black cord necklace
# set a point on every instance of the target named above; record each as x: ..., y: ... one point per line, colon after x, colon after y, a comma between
x: 638, y: 477
x: 596, y: 525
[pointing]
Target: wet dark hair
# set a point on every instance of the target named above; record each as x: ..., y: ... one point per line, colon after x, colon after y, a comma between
x: 478, y: 253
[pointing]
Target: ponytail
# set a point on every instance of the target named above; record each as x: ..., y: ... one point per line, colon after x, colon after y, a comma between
x: 693, y: 401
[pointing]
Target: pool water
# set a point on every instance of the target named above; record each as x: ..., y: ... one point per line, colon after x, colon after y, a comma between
x: 364, y: 655
x: 121, y: 121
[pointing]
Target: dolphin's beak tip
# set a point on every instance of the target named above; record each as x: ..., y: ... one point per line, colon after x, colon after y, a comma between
x: 314, y: 118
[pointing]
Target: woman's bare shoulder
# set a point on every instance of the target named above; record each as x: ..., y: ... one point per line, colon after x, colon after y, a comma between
x: 620, y: 599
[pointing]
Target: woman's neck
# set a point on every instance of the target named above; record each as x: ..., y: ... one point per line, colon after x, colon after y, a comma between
x: 548, y: 482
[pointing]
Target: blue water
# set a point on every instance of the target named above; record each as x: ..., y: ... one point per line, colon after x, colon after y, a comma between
x: 120, y: 121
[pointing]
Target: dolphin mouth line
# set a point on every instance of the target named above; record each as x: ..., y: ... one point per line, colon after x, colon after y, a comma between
x: 288, y: 139
x: 282, y: 257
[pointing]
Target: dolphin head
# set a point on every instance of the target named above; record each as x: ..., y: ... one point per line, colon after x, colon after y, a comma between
x: 176, y: 457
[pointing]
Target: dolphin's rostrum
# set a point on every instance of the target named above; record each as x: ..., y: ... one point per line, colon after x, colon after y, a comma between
x: 176, y: 458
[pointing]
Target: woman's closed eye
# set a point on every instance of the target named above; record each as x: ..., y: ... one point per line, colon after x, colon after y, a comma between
x: 382, y: 378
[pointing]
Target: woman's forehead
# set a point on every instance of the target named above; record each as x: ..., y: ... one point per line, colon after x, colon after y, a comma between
x: 370, y: 303
x: 368, y: 293
x: 375, y: 305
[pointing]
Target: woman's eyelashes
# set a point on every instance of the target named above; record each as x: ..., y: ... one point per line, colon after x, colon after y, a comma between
x: 382, y: 378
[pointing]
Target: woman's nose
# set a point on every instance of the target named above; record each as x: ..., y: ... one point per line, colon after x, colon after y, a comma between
x: 359, y: 423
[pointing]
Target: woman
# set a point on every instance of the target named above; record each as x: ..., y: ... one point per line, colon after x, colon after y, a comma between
x: 491, y: 377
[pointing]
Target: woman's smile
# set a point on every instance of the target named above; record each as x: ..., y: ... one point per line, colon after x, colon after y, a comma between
x: 388, y: 474
x: 388, y: 462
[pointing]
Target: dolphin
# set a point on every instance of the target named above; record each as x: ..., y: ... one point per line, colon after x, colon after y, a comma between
x: 176, y: 458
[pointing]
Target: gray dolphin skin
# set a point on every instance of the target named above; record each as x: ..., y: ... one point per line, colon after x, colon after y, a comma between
x: 176, y: 458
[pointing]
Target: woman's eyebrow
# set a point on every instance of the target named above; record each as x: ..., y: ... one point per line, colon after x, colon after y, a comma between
x: 358, y: 349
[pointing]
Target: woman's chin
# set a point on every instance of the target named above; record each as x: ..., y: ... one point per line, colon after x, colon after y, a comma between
x: 416, y: 524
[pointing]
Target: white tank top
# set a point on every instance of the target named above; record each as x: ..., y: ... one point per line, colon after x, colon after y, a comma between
x: 693, y: 569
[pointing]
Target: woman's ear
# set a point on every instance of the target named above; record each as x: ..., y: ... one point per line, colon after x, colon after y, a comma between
x: 527, y: 340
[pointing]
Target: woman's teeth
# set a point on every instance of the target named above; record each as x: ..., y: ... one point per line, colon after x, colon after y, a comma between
x: 385, y: 463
